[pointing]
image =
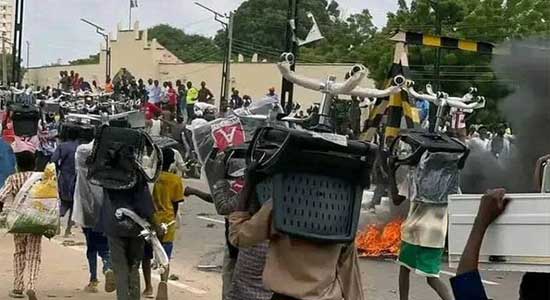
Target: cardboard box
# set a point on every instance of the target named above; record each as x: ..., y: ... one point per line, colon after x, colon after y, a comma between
x: 518, y: 241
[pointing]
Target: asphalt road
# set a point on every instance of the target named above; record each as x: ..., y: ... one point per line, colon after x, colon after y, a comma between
x: 200, y: 242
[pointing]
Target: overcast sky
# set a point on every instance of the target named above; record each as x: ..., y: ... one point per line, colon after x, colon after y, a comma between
x: 55, y: 32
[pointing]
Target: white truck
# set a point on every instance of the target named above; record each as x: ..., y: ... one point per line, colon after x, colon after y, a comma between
x: 518, y: 241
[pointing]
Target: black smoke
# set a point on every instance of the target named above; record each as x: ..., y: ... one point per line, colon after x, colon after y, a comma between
x: 527, y: 109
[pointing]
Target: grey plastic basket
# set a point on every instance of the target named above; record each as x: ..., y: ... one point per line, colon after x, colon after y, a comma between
x: 313, y: 207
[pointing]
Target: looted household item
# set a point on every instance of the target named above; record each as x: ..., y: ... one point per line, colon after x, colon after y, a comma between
x: 436, y: 176
x: 419, y: 141
x: 313, y: 207
x: 136, y: 119
x: 25, y: 119
x: 316, y: 184
x: 518, y: 241
x: 34, y: 210
x: 436, y: 159
x: 116, y: 159
x: 282, y: 150
x: 84, y: 132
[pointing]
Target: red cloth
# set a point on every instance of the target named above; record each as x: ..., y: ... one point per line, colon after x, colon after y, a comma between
x: 150, y: 110
x: 8, y: 133
x: 172, y: 97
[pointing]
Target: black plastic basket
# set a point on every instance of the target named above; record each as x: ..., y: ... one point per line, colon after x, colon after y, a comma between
x: 282, y: 150
x: 25, y: 119
x: 313, y: 207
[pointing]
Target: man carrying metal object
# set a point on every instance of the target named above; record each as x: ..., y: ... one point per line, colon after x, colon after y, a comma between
x: 330, y: 266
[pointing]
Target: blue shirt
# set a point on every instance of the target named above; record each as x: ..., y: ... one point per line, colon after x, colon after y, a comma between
x: 423, y: 108
x: 468, y: 286
x: 155, y: 94
x: 64, y: 159
x: 7, y: 161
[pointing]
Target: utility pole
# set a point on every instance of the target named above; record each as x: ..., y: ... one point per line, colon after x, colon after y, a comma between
x: 287, y: 89
x: 224, y: 102
x: 4, y: 62
x: 28, y: 52
x: 17, y: 40
x: 227, y: 23
x: 437, y: 63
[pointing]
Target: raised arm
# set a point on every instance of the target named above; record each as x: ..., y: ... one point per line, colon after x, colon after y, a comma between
x: 467, y: 285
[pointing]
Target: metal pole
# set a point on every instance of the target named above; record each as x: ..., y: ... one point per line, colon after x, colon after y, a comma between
x: 437, y: 67
x: 226, y: 69
x: 130, y: 16
x: 4, y: 62
x: 17, y: 39
x: 20, y: 42
x: 107, y: 58
x: 287, y: 90
x: 224, y: 102
x: 28, y: 52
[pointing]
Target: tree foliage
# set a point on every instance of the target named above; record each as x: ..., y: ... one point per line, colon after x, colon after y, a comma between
x: 260, y: 27
x: 491, y: 20
x: 187, y: 47
x: 92, y: 59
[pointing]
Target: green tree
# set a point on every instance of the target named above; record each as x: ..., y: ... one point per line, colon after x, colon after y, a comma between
x: 188, y: 48
x: 9, y: 67
x: 92, y: 59
x: 491, y: 20
x: 260, y: 27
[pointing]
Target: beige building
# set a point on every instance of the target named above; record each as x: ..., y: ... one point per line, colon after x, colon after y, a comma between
x: 145, y: 59
x: 6, y: 22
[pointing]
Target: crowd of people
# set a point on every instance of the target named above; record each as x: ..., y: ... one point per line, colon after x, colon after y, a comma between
x: 259, y: 263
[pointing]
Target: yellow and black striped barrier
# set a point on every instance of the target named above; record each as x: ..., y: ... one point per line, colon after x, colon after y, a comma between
x: 413, y: 38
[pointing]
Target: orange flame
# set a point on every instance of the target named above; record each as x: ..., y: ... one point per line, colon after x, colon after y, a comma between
x: 373, y: 242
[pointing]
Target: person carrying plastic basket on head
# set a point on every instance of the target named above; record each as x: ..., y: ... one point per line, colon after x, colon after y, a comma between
x: 28, y: 249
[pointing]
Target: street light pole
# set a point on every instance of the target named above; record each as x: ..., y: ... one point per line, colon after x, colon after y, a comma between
x: 17, y: 40
x: 4, y: 62
x: 437, y: 63
x: 101, y: 31
x: 28, y: 52
x: 226, y: 72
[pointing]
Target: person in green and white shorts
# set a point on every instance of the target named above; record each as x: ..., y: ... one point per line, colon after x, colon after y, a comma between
x: 423, y: 237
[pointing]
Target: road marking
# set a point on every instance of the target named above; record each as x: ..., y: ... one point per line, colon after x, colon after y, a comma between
x: 211, y: 220
x: 484, y: 281
x: 179, y: 285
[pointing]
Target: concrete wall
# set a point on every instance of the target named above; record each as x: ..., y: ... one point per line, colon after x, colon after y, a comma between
x: 49, y: 76
x: 252, y: 79
x: 145, y: 59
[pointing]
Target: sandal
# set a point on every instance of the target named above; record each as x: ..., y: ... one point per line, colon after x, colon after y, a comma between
x: 16, y: 294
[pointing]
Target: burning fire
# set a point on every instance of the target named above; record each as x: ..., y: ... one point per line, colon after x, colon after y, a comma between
x: 374, y: 242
